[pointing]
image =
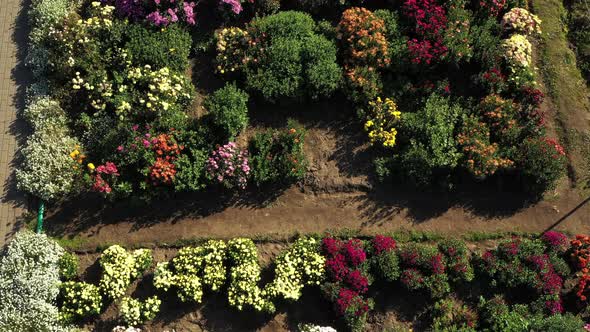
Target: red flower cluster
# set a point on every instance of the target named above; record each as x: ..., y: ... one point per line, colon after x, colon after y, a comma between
x: 100, y: 184
x: 343, y: 260
x: 549, y: 283
x: 349, y: 300
x: 167, y: 150
x: 383, y: 244
x: 431, y: 21
x: 555, y: 240
x: 492, y: 7
x: 559, y: 150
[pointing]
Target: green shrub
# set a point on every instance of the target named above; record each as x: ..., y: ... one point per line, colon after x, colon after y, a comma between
x: 557, y: 323
x: 68, y: 266
x: 387, y: 265
x: 168, y: 47
x: 277, y: 156
x: 190, y: 171
x: 452, y: 315
x: 228, y: 108
x: 542, y: 162
x: 267, y: 7
x: 486, y: 39
x: 579, y: 34
x: 79, y: 300
x: 296, y: 61
x: 396, y: 41
x: 495, y: 315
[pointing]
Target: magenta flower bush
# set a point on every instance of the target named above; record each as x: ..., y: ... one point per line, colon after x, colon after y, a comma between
x: 228, y: 165
x: 158, y: 12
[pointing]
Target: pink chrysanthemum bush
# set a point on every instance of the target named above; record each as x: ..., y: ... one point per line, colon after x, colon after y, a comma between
x: 228, y: 165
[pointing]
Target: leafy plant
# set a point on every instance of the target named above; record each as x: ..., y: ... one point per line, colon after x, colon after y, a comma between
x: 68, y: 266
x: 228, y: 108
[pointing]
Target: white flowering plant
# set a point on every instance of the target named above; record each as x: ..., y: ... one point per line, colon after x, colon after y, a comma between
x: 43, y: 112
x: 120, y: 268
x: 521, y: 21
x: 29, y: 284
x: 243, y: 290
x: 48, y: 170
x: 78, y: 300
x: 300, y: 265
x: 134, y: 312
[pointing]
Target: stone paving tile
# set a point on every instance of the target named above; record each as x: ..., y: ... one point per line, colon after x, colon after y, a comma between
x: 12, y: 77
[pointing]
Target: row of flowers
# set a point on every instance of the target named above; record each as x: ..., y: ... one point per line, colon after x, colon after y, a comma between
x: 343, y: 269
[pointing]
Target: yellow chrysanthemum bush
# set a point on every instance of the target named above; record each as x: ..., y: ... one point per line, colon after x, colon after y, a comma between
x: 517, y: 51
x: 135, y: 312
x: 382, y: 116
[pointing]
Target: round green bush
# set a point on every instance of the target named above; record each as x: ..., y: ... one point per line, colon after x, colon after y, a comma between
x: 228, y: 108
x: 168, y: 47
x: 297, y: 62
x: 387, y: 265
x: 542, y: 163
x: 68, y: 266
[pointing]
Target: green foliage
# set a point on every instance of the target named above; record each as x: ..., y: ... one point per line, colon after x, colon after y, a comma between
x: 277, y: 156
x: 579, y: 34
x: 228, y: 108
x: 557, y: 323
x: 495, y: 315
x: 386, y: 265
x: 68, y: 266
x: 541, y: 163
x: 486, y: 40
x: 296, y: 61
x: 167, y: 47
x: 452, y: 315
x: 79, y: 300
x: 396, y: 41
x: 190, y: 171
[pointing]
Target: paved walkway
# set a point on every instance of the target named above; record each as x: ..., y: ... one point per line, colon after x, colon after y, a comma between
x: 13, y: 78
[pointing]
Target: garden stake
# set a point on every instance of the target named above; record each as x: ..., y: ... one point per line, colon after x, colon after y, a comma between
x: 40, y: 216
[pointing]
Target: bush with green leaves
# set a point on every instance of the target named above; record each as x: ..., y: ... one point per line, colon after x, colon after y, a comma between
x: 396, y: 41
x: 68, y: 266
x: 29, y: 284
x: 542, y: 161
x: 134, y: 312
x: 192, y: 268
x: 228, y: 108
x: 120, y: 268
x: 579, y: 34
x: 79, y: 300
x: 453, y: 315
x: 296, y: 62
x: 169, y: 47
x: 486, y: 40
x: 277, y: 156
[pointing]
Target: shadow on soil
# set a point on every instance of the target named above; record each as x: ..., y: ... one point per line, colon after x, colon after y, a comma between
x: 376, y: 204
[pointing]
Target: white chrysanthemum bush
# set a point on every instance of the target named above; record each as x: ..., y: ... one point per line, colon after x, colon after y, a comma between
x: 29, y: 284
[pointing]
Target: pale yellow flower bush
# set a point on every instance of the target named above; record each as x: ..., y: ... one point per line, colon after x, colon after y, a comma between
x: 79, y: 300
x: 134, y: 312
x: 300, y: 265
x: 120, y: 268
x: 517, y: 52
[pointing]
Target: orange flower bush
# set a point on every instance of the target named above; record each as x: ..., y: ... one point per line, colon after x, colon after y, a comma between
x: 580, y: 253
x: 480, y: 156
x: 363, y: 35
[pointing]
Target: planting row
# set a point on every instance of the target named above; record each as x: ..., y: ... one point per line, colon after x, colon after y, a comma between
x: 113, y: 110
x: 524, y: 284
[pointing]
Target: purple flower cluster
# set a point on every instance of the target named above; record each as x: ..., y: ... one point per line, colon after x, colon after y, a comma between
x: 158, y: 12
x: 236, y: 5
x: 229, y: 165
